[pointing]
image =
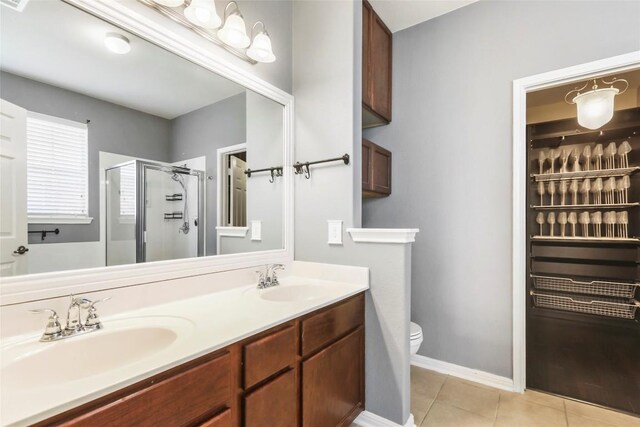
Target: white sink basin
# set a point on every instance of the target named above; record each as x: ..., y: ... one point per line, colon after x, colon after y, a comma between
x: 296, y: 292
x: 122, y: 342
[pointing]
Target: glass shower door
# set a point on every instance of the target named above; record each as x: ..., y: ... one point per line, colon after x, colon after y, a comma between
x: 121, y: 245
x: 172, y: 213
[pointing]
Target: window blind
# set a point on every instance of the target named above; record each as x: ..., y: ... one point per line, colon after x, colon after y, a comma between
x: 128, y: 191
x: 57, y: 168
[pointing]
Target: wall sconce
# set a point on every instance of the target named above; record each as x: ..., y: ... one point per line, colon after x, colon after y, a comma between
x: 595, y: 107
x: 202, y: 18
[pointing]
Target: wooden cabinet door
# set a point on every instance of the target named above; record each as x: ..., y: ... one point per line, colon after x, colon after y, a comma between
x: 333, y: 383
x: 380, y: 67
x: 273, y: 404
x: 367, y: 156
x: 376, y: 170
x: 367, y: 13
x: 381, y: 170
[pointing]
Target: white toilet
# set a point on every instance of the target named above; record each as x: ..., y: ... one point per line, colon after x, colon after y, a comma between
x: 415, y: 337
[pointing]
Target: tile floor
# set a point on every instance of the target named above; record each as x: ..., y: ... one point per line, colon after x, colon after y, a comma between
x: 439, y: 400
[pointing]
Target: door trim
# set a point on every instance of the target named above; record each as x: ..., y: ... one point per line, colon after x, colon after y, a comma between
x: 521, y: 86
x: 221, y: 153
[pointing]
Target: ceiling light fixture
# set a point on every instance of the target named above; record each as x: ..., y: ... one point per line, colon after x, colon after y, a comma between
x: 117, y: 43
x: 595, y: 107
x: 260, y: 49
x: 234, y: 31
x: 203, y: 14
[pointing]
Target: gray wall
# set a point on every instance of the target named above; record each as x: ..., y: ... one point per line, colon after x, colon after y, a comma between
x: 326, y: 87
x: 202, y: 132
x: 387, y: 356
x: 113, y: 128
x: 326, y: 83
x: 264, y: 198
x: 451, y: 142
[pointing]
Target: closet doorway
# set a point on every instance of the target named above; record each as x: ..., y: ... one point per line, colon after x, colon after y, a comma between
x: 577, y: 237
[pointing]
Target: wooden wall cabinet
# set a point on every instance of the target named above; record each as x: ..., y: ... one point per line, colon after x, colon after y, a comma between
x: 377, y: 48
x: 307, y: 372
x: 376, y: 170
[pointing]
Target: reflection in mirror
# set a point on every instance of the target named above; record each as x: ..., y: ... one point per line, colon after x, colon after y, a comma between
x: 133, y: 154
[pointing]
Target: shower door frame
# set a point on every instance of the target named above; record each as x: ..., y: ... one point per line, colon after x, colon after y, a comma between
x: 141, y: 218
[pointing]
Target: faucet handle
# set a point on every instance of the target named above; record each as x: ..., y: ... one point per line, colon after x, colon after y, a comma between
x: 92, y: 303
x: 53, y: 329
x: 274, y: 277
x: 93, y: 321
x: 261, y: 280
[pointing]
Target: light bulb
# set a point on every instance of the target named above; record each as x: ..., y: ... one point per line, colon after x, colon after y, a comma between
x: 260, y: 49
x: 203, y: 14
x: 234, y: 32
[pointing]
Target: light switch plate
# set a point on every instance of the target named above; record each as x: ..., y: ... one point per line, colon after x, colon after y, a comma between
x: 256, y: 230
x: 335, y: 232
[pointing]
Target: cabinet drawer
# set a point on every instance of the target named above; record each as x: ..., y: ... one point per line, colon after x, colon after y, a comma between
x: 269, y: 355
x: 626, y: 272
x: 220, y: 420
x: 273, y: 404
x: 620, y: 253
x: 320, y: 329
x: 175, y: 401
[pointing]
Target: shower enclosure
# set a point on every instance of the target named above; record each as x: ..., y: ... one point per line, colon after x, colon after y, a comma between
x: 154, y: 212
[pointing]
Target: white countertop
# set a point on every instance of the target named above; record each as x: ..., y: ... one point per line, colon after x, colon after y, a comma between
x: 205, y: 323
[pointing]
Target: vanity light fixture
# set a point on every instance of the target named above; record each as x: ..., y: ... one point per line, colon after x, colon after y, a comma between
x: 595, y: 107
x: 117, y: 43
x: 230, y: 33
x: 203, y: 14
x: 234, y: 31
x: 260, y: 49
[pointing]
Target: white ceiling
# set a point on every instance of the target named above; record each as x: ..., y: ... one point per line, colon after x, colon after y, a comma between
x: 401, y: 14
x: 55, y: 43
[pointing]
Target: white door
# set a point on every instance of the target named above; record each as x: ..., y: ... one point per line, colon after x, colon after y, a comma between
x: 13, y: 189
x: 238, y: 197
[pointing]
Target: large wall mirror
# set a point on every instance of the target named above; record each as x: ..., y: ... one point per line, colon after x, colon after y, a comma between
x: 116, y: 151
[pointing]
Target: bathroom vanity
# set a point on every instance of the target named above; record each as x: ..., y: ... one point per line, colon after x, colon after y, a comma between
x: 308, y: 371
x: 230, y: 355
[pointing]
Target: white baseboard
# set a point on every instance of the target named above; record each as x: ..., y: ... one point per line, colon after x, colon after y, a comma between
x: 369, y: 419
x: 474, y: 375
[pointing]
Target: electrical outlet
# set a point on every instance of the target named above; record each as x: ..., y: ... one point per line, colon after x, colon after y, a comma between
x: 335, y: 232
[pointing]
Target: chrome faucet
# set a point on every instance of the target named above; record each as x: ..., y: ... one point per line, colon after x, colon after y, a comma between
x: 74, y: 323
x: 269, y: 278
x: 74, y: 326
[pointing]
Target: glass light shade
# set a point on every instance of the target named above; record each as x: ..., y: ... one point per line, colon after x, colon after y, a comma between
x: 117, y: 43
x: 260, y: 49
x: 170, y: 3
x: 203, y: 14
x: 595, y: 108
x: 234, y: 32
